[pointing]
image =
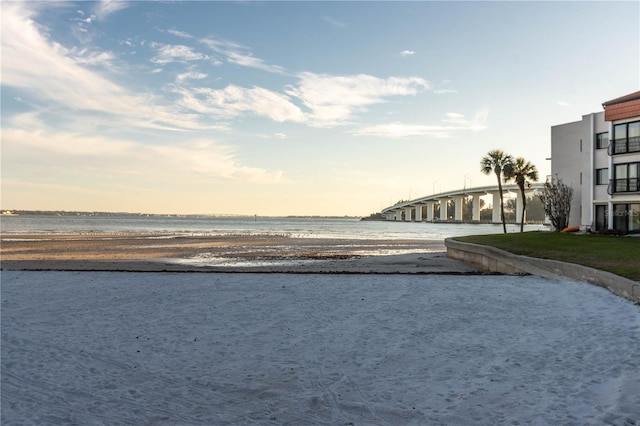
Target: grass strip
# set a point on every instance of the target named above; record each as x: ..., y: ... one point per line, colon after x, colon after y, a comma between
x: 616, y: 254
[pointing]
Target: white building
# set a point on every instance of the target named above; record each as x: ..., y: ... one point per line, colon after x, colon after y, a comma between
x: 599, y: 157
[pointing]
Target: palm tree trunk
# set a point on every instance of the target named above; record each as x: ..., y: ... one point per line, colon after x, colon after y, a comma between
x: 504, y: 223
x: 524, y: 208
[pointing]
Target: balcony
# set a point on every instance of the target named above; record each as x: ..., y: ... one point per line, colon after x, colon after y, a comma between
x: 624, y: 146
x: 617, y: 186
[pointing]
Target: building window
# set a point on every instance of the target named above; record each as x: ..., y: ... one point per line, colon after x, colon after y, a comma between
x: 601, y: 217
x: 626, y: 138
x: 602, y: 140
x: 625, y: 178
x: 602, y: 176
x: 626, y: 218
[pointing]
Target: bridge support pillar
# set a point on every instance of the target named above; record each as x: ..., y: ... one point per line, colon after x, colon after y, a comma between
x: 459, y: 203
x: 430, y: 211
x: 419, y: 213
x: 475, y: 214
x: 444, y: 212
x: 407, y: 214
x: 495, y: 218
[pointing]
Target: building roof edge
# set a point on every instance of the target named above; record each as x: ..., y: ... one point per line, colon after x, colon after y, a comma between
x: 630, y: 97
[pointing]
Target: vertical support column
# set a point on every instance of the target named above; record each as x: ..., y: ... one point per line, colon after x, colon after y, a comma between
x: 495, y: 218
x: 475, y: 215
x: 407, y: 214
x: 444, y: 213
x: 519, y: 208
x: 459, y: 204
x: 430, y: 211
x: 610, y: 215
x: 419, y: 213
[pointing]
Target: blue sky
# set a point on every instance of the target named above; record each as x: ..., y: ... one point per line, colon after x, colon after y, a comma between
x: 292, y: 108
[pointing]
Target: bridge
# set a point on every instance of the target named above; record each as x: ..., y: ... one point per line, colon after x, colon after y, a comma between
x: 423, y: 209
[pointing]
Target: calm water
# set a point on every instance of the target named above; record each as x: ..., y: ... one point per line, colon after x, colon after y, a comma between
x: 207, y: 225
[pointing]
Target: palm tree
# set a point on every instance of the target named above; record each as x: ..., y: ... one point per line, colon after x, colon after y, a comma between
x: 497, y: 162
x: 522, y: 172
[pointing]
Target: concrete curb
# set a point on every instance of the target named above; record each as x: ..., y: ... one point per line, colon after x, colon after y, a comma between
x: 491, y: 259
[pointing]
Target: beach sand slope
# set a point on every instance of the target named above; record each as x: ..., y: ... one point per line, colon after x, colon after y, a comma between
x: 308, y: 349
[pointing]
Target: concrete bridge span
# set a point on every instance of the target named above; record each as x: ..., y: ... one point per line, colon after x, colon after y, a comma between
x: 423, y: 208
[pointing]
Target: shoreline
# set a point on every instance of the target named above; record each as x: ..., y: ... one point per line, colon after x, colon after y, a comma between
x: 166, y: 252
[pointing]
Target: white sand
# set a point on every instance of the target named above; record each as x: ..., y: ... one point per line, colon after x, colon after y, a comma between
x: 93, y: 348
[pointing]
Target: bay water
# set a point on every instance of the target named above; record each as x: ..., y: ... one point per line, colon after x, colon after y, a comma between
x: 300, y: 227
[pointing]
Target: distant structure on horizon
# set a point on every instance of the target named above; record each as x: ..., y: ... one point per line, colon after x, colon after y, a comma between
x: 599, y: 157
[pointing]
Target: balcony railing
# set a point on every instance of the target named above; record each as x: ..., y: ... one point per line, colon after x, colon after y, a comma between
x: 617, y: 186
x: 623, y: 146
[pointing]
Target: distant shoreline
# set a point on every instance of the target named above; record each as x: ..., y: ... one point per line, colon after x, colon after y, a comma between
x: 8, y: 212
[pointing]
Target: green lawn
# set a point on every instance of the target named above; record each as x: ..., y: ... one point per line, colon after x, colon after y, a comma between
x: 619, y: 255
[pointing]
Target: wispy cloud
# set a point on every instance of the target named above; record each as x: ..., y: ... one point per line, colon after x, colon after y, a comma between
x: 240, y: 55
x: 406, y: 53
x: 397, y: 130
x: 453, y: 123
x: 190, y: 75
x: 444, y: 91
x: 104, y: 8
x: 325, y: 100
x: 443, y: 87
x: 54, y: 77
x: 180, y: 34
x: 85, y: 157
x: 334, y: 22
x: 563, y: 103
x: 335, y: 99
x: 460, y: 121
x: 233, y: 101
x: 88, y: 57
x: 252, y: 62
x: 167, y: 53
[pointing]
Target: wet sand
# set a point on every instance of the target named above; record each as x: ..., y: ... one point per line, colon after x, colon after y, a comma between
x: 224, y: 253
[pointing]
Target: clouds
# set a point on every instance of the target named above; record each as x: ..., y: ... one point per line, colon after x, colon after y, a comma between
x: 452, y: 124
x: 171, y: 53
x: 190, y: 75
x: 118, y: 107
x: 89, y: 157
x: 232, y: 101
x: 333, y: 99
x: 105, y: 8
x: 318, y: 100
x: 235, y: 53
x: 57, y: 75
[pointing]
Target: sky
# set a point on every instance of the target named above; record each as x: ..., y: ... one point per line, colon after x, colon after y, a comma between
x: 292, y: 108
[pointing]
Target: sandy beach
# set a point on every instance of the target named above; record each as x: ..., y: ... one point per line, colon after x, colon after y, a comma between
x: 224, y: 253
x: 108, y: 348
x: 111, y: 330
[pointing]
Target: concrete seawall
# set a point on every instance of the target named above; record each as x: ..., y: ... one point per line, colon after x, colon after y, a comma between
x: 491, y: 259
